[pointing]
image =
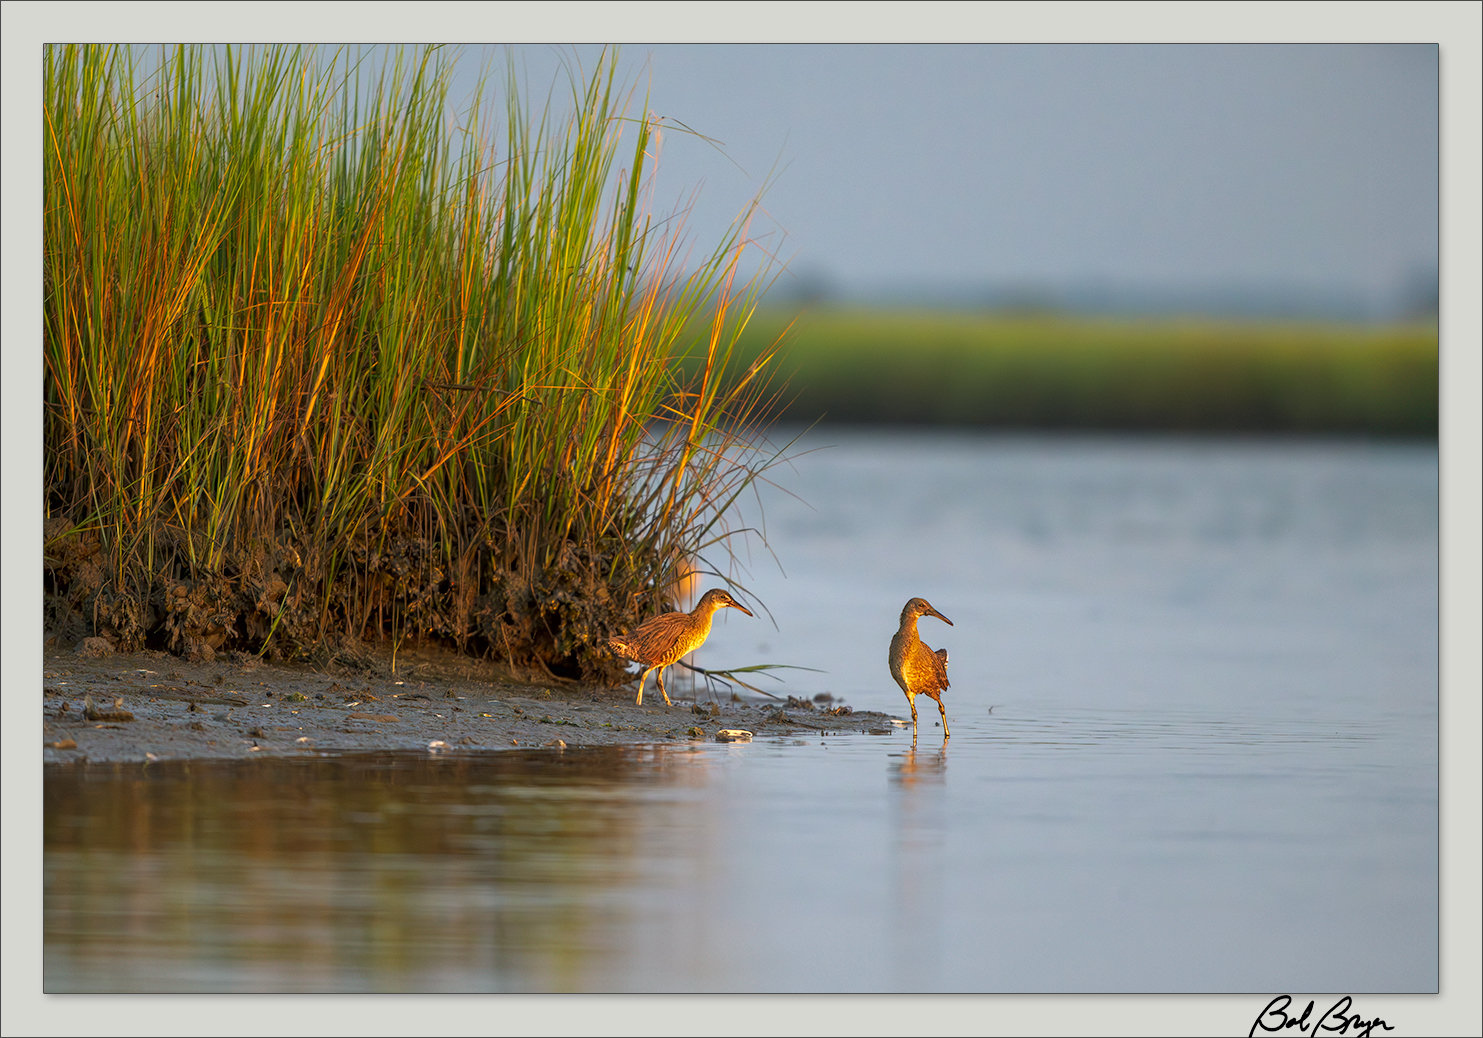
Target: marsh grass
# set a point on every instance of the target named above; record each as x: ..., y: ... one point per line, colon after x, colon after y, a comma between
x: 320, y: 368
x: 858, y: 364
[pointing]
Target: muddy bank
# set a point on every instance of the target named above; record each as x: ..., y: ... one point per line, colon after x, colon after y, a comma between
x: 156, y: 706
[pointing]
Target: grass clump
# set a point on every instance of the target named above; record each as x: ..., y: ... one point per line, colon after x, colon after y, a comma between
x: 319, y: 368
x: 1052, y: 372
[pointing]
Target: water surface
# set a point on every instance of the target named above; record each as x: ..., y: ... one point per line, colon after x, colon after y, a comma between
x: 1194, y: 748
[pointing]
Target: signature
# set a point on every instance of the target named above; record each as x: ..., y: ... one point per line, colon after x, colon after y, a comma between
x: 1336, y: 1020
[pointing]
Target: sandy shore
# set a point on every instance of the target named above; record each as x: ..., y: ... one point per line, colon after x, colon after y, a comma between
x: 155, y: 706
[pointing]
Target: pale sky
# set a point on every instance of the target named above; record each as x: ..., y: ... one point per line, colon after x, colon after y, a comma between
x: 1142, y: 168
x: 1277, y: 178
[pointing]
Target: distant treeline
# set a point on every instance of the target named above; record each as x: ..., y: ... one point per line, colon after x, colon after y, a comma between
x: 1043, y: 372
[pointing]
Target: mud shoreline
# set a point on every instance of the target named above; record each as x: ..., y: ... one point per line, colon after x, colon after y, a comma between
x: 153, y: 706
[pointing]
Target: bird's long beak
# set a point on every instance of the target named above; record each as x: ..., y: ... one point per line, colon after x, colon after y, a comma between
x: 738, y: 605
x: 934, y: 612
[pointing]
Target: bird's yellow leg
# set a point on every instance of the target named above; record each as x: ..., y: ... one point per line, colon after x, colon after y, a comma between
x: 642, y: 678
x: 943, y: 711
x: 911, y: 701
x: 660, y: 679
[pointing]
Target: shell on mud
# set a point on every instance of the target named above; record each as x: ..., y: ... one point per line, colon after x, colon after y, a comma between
x: 93, y: 713
x: 733, y: 735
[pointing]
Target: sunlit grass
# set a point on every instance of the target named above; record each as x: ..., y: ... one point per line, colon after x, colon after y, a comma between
x: 317, y: 366
x: 942, y: 367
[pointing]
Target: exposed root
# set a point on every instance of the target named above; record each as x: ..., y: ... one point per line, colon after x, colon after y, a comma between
x: 277, y: 602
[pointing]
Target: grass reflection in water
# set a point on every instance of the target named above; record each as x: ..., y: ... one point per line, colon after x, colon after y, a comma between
x: 393, y: 872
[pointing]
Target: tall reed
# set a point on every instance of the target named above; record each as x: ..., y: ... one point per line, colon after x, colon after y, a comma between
x: 318, y: 367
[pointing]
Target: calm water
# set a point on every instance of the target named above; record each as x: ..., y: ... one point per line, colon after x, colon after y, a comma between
x: 1194, y: 714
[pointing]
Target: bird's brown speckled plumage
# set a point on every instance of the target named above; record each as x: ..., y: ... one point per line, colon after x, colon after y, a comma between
x: 658, y: 642
x: 916, y: 667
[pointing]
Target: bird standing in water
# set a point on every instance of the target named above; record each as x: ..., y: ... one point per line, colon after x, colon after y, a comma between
x: 664, y: 639
x: 916, y: 668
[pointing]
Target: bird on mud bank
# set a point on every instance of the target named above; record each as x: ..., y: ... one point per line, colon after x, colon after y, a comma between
x: 915, y: 666
x: 658, y: 642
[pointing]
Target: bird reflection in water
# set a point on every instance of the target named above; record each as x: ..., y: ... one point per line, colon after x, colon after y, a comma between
x: 913, y: 768
x: 919, y: 867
